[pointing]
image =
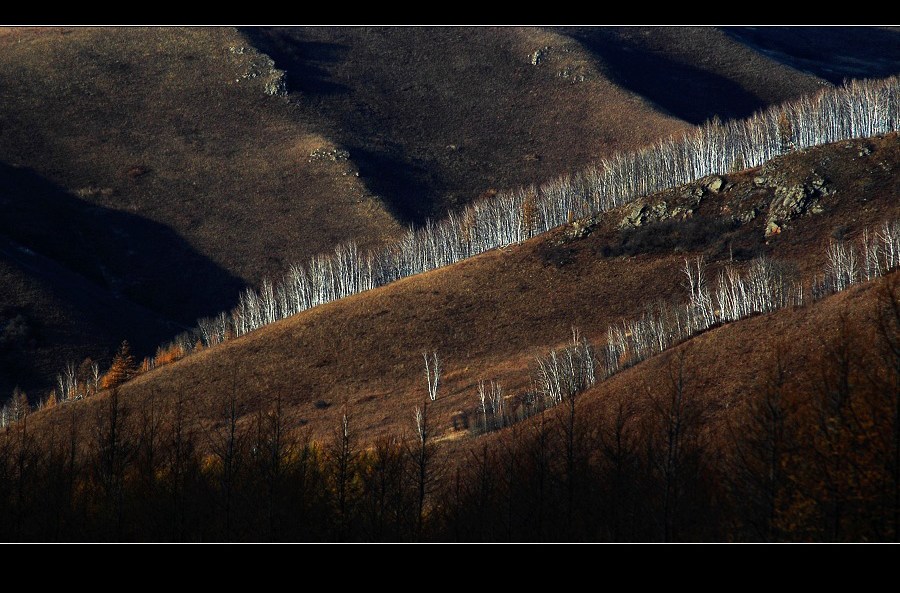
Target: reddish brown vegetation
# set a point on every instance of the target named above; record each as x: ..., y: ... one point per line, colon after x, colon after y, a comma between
x: 122, y: 369
x: 804, y: 447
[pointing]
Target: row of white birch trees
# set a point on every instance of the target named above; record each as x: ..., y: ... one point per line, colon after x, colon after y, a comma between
x: 860, y: 109
x: 762, y: 286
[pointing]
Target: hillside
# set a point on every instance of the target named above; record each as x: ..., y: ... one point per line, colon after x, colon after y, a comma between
x: 165, y: 167
x: 832, y: 53
x: 153, y: 164
x: 435, y: 116
x: 776, y: 427
x: 697, y: 73
x: 50, y: 316
x: 488, y: 317
x: 173, y: 131
x: 773, y: 428
x: 454, y: 283
x: 729, y: 363
x: 779, y: 427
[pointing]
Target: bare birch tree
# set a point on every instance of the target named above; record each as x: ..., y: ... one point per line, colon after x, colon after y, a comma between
x: 432, y: 374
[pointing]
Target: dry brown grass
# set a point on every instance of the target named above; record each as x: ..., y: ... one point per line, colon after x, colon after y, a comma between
x: 172, y: 181
x: 436, y: 116
x: 163, y: 124
x: 225, y: 165
x: 489, y: 316
x: 60, y: 317
x: 696, y: 73
x: 725, y: 368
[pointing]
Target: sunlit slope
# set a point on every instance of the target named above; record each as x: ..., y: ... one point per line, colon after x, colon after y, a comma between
x: 490, y: 316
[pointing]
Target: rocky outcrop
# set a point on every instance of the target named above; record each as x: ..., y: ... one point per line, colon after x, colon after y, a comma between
x: 677, y: 204
x: 258, y: 66
x: 715, y: 184
x: 582, y: 228
x: 326, y: 153
x: 276, y: 85
x: 569, y: 65
x: 538, y: 55
x: 792, y: 200
x: 783, y: 195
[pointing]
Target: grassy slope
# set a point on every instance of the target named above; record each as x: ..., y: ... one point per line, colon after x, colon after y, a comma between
x: 723, y: 368
x: 40, y: 330
x: 832, y: 53
x: 696, y: 73
x: 162, y: 124
x: 436, y: 116
x: 151, y: 162
x: 489, y: 316
x: 146, y: 163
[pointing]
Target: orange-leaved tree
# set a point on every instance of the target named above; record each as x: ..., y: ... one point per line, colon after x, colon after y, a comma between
x: 122, y: 368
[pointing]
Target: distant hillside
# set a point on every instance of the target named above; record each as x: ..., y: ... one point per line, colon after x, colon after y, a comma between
x: 170, y: 130
x: 435, y: 116
x: 697, y: 73
x: 50, y: 316
x: 153, y: 164
x: 832, y: 53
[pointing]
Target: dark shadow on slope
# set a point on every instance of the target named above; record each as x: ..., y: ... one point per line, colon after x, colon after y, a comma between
x: 302, y: 61
x: 832, y: 53
x: 50, y: 316
x: 682, y: 90
x: 406, y: 187
x: 127, y: 255
x: 21, y: 330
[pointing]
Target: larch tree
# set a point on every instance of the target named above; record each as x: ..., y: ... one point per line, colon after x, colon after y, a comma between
x: 122, y: 368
